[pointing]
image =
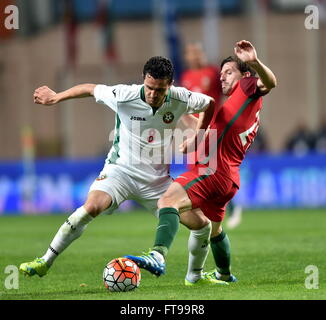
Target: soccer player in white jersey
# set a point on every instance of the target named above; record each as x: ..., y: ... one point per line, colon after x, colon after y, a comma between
x: 136, y: 166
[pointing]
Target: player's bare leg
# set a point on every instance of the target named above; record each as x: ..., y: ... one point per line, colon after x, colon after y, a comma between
x: 97, y: 202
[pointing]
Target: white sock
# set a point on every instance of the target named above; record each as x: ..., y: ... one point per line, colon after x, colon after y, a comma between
x: 198, y: 247
x: 68, y: 232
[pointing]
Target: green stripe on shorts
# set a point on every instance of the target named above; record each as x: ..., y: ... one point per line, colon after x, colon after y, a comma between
x: 200, y: 178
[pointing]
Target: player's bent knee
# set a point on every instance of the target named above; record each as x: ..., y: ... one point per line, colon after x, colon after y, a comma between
x: 175, y: 197
x: 93, y: 209
x: 194, y: 219
x: 166, y: 201
x: 97, y: 202
x: 216, y: 229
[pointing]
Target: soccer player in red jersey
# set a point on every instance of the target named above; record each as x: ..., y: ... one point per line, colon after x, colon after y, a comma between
x: 201, y: 77
x: 215, y: 179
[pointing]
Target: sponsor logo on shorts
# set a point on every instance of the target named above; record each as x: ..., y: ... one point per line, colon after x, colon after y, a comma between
x: 182, y: 177
x: 168, y: 117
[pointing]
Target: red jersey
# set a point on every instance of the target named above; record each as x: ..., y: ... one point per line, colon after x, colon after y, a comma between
x: 233, y: 129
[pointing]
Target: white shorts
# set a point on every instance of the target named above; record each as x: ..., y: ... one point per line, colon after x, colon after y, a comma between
x: 114, y: 180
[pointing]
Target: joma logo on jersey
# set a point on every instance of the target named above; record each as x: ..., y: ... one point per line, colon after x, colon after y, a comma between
x: 133, y: 118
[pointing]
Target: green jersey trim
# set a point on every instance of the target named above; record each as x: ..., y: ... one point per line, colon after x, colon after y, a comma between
x: 200, y: 178
x: 142, y: 93
x: 115, y: 155
x: 168, y: 97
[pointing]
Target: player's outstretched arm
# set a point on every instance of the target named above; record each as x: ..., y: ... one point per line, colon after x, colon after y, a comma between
x: 246, y: 52
x: 205, y: 118
x: 203, y: 122
x: 46, y: 96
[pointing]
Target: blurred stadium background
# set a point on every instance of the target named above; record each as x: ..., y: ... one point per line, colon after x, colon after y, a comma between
x: 49, y: 156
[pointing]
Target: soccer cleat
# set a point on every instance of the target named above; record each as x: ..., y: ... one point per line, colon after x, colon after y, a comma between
x: 217, y: 276
x: 37, y: 266
x: 205, y: 280
x: 149, y: 262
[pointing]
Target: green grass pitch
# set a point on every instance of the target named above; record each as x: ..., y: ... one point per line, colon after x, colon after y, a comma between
x: 270, y: 251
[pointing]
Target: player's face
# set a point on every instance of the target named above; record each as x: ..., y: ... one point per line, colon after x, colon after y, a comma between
x: 229, y: 76
x: 155, y: 90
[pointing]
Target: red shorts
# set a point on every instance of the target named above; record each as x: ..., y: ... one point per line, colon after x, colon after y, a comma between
x: 209, y: 192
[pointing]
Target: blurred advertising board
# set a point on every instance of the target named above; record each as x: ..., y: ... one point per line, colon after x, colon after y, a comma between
x: 59, y: 186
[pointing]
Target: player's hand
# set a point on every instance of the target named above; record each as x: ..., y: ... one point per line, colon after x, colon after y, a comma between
x: 191, y: 144
x: 44, y: 95
x: 245, y: 51
x: 183, y: 147
x: 188, y: 145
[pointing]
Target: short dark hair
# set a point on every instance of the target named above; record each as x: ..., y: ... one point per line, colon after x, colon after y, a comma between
x: 159, y: 68
x: 242, y: 66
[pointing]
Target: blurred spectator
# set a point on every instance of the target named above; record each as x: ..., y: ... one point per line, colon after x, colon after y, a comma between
x: 301, y: 141
x: 320, y: 137
x: 200, y: 76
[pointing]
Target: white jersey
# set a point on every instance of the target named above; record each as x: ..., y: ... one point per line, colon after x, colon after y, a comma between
x: 143, y: 135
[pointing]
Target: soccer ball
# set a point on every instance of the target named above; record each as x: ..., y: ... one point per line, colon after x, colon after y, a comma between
x: 121, y: 274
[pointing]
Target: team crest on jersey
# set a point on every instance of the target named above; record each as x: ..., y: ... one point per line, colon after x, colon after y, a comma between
x: 101, y: 177
x: 168, y: 117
